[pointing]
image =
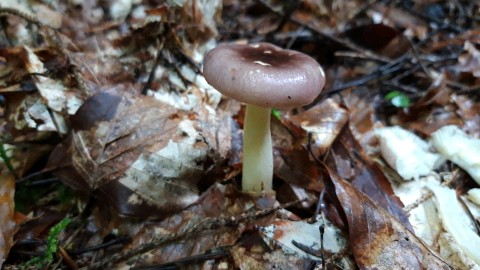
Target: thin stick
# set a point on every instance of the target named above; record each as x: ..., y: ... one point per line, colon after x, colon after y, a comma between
x: 204, y: 225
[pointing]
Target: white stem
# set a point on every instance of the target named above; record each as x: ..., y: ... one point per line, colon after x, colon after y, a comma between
x: 257, y: 150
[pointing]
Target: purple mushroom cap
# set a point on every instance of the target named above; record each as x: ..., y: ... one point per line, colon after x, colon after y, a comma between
x: 264, y: 75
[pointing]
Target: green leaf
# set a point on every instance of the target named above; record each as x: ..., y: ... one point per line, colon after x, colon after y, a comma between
x: 277, y: 114
x: 6, y: 158
x: 52, y: 245
x: 398, y: 99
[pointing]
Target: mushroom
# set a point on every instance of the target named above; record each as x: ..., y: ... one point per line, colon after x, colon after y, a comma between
x: 263, y: 76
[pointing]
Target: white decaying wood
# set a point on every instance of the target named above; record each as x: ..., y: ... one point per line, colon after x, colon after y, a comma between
x: 407, y: 153
x: 453, y: 144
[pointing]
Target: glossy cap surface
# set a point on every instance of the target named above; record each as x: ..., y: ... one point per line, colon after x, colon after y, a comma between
x: 264, y: 75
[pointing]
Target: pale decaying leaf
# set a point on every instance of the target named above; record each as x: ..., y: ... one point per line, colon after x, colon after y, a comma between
x: 53, y: 91
x: 33, y: 113
x: 7, y: 223
x: 283, y: 233
x: 202, y: 14
x: 200, y: 93
x: 154, y: 176
x: 258, y: 258
x: 43, y: 110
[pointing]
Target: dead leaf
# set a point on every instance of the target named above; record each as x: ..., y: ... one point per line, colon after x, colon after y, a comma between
x: 432, y: 111
x: 285, y: 233
x: 350, y: 162
x: 377, y: 238
x: 322, y: 122
x: 257, y: 257
x: 468, y: 111
x: 320, y: 125
x: 51, y: 94
x: 7, y: 219
x: 136, y: 153
x: 400, y: 19
x: 373, y: 36
x: 218, y: 201
x: 470, y: 60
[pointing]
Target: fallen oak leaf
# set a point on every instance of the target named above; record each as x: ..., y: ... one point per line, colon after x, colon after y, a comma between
x: 377, y: 239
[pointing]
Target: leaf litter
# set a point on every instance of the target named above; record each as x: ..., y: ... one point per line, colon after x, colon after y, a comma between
x: 109, y: 123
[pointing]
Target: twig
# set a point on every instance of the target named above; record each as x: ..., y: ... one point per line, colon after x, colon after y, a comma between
x: 379, y: 73
x: 424, y: 197
x: 341, y: 41
x: 204, y: 225
x: 209, y: 255
x: 405, y: 88
x: 417, y: 56
x: 464, y: 89
x: 151, y: 76
x: 120, y: 240
x: 453, y: 27
x: 289, y: 8
x: 28, y: 17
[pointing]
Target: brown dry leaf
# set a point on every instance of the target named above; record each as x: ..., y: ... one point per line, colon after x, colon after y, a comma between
x: 468, y: 110
x: 399, y: 19
x: 258, y: 257
x: 328, y: 15
x: 7, y: 219
x: 24, y: 157
x: 28, y: 70
x: 377, y: 239
x: 137, y: 153
x: 218, y: 201
x: 373, y: 36
x: 36, y: 228
x: 323, y: 122
x: 362, y: 115
x: 352, y: 164
x: 432, y: 111
x: 470, y: 60
x: 291, y: 160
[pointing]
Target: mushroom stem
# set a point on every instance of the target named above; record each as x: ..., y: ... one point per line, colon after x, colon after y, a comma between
x: 257, y: 169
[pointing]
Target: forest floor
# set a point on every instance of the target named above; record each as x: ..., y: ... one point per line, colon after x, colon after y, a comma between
x: 117, y: 154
